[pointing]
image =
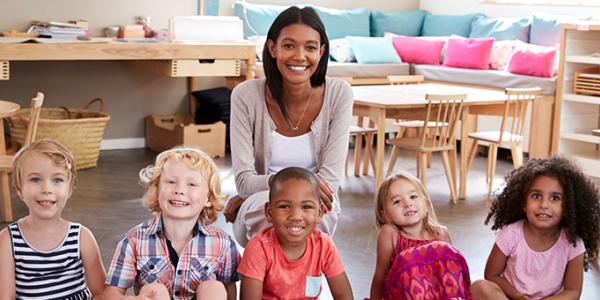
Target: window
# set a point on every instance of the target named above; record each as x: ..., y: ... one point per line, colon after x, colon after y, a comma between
x: 547, y: 2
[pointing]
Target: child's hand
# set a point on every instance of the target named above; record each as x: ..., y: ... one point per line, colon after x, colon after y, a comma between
x: 232, y: 207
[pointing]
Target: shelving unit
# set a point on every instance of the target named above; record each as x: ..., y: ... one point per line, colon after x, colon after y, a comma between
x: 577, y: 116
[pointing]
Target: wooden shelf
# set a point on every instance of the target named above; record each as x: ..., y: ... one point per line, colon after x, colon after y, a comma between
x: 583, y: 59
x: 581, y: 137
x: 581, y: 98
x: 589, y: 162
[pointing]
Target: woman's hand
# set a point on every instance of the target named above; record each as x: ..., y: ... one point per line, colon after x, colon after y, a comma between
x: 232, y: 207
x: 326, y: 195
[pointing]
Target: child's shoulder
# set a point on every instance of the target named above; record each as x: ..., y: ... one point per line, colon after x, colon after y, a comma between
x: 218, y: 233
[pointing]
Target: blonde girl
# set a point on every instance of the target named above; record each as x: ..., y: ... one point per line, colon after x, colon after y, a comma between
x: 42, y: 255
x: 413, y: 248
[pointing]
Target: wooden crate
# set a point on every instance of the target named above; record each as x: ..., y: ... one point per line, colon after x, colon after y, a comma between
x: 587, y: 81
x: 164, y: 132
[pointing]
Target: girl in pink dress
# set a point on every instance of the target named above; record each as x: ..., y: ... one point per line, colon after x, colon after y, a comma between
x: 548, y: 214
x: 415, y: 259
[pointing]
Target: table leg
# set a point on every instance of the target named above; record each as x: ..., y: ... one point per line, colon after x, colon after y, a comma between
x: 468, y: 124
x: 380, y: 121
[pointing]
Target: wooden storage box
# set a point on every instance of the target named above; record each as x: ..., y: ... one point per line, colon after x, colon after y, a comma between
x: 205, y: 67
x: 164, y: 132
x: 587, y: 82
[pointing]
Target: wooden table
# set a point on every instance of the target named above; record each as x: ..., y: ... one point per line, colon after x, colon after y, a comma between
x: 179, y: 59
x: 408, y: 102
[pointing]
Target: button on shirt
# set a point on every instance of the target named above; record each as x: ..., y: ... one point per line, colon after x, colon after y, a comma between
x: 142, y: 257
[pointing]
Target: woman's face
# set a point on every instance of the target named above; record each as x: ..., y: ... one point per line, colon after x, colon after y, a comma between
x: 297, y: 52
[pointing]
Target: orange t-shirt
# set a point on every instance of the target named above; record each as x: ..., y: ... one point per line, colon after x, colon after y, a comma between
x: 282, y: 278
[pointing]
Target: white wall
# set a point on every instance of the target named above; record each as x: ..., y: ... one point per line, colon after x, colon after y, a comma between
x: 502, y: 10
x: 130, y: 94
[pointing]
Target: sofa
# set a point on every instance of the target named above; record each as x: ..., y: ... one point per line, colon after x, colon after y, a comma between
x: 367, y: 44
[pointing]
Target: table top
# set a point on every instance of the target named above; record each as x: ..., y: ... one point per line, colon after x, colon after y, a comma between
x: 8, y: 108
x: 413, y: 95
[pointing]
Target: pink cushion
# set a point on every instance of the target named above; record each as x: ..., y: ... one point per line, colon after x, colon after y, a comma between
x: 528, y: 59
x: 471, y: 53
x: 418, y: 51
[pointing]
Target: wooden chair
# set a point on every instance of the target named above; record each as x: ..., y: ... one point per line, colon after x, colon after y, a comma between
x: 443, y: 111
x: 6, y: 160
x: 360, y: 133
x: 510, y: 134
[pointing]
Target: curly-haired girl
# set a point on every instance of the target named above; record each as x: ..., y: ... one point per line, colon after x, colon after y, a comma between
x: 549, y: 216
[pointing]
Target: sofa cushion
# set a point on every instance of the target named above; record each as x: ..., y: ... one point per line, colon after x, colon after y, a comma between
x: 501, y: 28
x: 545, y: 28
x: 403, y: 23
x: 446, y: 25
x: 257, y: 18
x: 472, y: 53
x: 345, y: 22
x: 532, y: 60
x: 339, y: 49
x: 493, y: 78
x: 336, y: 69
x: 373, y: 50
x: 501, y: 52
x: 417, y: 50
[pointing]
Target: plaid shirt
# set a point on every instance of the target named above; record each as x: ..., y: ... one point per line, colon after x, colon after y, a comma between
x: 142, y: 257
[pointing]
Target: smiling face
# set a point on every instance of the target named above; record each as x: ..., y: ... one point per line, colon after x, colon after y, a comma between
x: 45, y: 187
x: 182, y: 191
x: 405, y: 206
x: 297, y: 52
x: 294, y: 210
x: 544, y: 203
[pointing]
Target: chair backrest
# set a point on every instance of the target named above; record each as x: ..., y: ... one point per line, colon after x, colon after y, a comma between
x: 405, y: 79
x: 34, y: 117
x: 513, y: 118
x: 441, y: 118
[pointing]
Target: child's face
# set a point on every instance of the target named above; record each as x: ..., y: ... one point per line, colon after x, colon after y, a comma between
x: 182, y: 191
x: 45, y: 187
x: 294, y: 210
x: 405, y: 206
x: 544, y: 203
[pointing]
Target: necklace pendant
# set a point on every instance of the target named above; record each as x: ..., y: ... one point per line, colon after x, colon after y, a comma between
x: 295, y: 128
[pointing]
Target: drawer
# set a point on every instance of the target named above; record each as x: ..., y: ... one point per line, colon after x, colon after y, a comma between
x: 205, y: 67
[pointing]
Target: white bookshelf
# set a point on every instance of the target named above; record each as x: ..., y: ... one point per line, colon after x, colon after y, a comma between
x: 578, y: 114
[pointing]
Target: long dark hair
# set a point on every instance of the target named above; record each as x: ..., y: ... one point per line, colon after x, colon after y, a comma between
x: 293, y: 15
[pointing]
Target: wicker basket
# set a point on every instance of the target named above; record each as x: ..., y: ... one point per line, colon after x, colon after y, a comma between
x: 587, y: 82
x: 80, y: 130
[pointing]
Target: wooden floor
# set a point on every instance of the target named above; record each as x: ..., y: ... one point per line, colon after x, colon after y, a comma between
x: 107, y: 200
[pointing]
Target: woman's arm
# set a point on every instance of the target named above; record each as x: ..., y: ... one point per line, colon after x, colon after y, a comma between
x: 251, y: 289
x: 7, y: 273
x: 494, y: 268
x: 340, y: 287
x: 333, y: 153
x: 573, y: 280
x: 95, y: 274
x: 385, y: 250
x: 247, y: 179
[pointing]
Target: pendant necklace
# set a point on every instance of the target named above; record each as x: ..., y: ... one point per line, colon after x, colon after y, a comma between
x: 289, y: 119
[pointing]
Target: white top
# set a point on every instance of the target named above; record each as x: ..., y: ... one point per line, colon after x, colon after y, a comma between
x: 296, y: 151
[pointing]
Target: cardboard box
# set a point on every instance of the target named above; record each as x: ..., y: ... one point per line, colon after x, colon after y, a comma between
x: 164, y: 132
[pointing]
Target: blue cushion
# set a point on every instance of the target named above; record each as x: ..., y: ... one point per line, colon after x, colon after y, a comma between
x: 257, y: 18
x: 501, y: 28
x: 403, y: 23
x: 545, y: 28
x: 373, y: 50
x: 445, y: 25
x: 341, y: 22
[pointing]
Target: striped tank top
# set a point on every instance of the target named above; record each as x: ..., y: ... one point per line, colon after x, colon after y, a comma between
x: 55, y: 274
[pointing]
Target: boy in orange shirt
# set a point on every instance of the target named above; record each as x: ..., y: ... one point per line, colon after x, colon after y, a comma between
x: 288, y: 259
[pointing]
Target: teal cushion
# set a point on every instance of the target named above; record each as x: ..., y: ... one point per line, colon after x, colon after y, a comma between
x: 501, y: 28
x: 373, y: 50
x: 402, y: 23
x: 257, y: 18
x: 445, y: 25
x: 340, y: 23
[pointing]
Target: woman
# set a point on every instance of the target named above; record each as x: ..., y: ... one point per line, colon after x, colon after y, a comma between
x: 296, y: 116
